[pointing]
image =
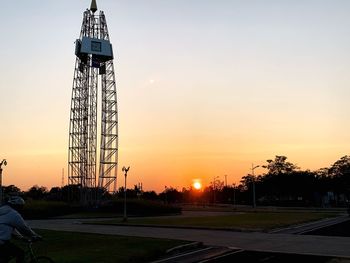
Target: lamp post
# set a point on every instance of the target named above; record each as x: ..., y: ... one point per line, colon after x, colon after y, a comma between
x: 253, y: 179
x: 125, y: 170
x: 3, y: 162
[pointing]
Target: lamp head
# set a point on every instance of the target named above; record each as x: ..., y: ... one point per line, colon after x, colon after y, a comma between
x: 125, y: 169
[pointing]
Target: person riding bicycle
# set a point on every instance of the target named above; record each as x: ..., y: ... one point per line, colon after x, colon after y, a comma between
x: 13, y: 224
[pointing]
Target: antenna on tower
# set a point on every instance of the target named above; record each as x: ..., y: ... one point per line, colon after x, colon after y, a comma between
x: 93, y: 6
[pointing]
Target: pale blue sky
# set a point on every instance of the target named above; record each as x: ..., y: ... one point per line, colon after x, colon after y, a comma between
x: 221, y: 82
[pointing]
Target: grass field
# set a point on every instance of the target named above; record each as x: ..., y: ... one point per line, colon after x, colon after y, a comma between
x: 254, y: 221
x: 64, y: 247
x: 81, y: 247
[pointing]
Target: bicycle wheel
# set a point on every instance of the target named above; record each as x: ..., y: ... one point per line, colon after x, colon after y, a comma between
x: 43, y: 260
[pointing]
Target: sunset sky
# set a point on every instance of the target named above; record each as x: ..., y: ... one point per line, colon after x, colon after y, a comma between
x: 205, y: 88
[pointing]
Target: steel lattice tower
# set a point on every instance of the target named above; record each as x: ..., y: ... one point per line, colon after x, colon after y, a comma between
x: 94, y: 58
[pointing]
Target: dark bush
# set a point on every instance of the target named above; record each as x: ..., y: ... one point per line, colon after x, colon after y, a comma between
x: 40, y: 209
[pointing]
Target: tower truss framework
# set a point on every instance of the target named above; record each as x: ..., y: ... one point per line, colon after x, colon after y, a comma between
x: 91, y: 63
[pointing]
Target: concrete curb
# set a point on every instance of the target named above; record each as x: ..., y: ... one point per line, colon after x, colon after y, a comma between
x: 178, y: 227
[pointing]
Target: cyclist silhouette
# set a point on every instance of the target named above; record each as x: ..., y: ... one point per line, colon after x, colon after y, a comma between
x: 13, y: 224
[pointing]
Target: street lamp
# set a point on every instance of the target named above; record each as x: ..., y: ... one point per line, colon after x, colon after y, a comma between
x: 125, y: 170
x: 3, y: 162
x: 253, y: 179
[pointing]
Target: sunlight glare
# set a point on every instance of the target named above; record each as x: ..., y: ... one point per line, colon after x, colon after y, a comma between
x: 197, y: 185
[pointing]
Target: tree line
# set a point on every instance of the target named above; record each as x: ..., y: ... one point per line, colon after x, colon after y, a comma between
x: 283, y: 183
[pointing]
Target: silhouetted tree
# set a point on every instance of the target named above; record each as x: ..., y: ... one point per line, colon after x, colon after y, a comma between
x: 340, y: 174
x: 186, y: 195
x: 228, y: 194
x: 246, y: 182
x: 171, y: 195
x: 149, y: 195
x: 11, y: 190
x: 55, y: 194
x: 36, y: 192
x: 284, y: 183
x: 279, y: 166
x: 130, y: 193
x: 324, y: 182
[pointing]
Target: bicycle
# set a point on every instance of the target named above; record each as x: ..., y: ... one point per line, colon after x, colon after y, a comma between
x: 30, y: 256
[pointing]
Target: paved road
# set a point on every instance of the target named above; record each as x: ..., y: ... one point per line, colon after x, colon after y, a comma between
x: 270, y: 242
x: 312, y: 226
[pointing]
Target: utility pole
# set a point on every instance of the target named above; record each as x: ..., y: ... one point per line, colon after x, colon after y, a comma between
x: 225, y: 180
x: 125, y: 170
x: 253, y: 179
x: 3, y: 162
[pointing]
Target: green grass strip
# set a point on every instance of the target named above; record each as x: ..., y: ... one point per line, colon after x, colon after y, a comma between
x: 75, y: 247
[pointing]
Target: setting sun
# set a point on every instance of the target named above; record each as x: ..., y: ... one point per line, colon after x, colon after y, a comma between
x: 197, y: 185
